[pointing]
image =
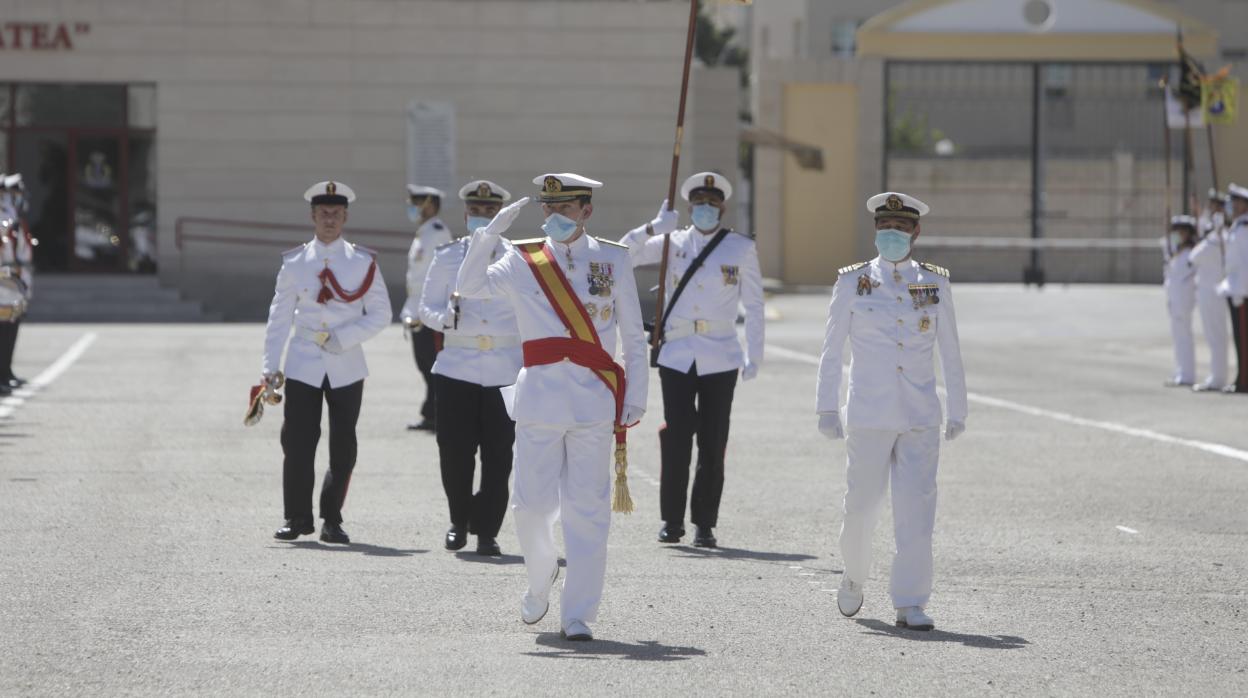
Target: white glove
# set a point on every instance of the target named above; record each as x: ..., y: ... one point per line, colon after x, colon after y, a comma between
x: 953, y: 429
x: 830, y: 425
x: 665, y: 221
x: 268, y: 379
x: 632, y: 415
x: 750, y: 372
x: 504, y: 218
x: 332, y: 345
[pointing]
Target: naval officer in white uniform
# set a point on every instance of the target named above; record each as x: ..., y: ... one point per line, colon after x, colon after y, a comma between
x: 1234, y: 287
x: 565, y: 413
x: 1208, y: 258
x: 1180, y: 286
x: 480, y: 355
x: 331, y: 292
x: 894, y: 312
x: 423, y: 205
x: 700, y: 355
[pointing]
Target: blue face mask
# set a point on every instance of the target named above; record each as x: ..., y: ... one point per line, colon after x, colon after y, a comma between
x: 413, y: 213
x: 705, y: 217
x: 893, y: 245
x: 559, y: 227
x: 475, y: 222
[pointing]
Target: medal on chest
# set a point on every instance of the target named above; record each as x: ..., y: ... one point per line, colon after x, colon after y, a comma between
x: 601, y: 278
x: 924, y: 295
x: 865, y: 284
x: 732, y: 274
x: 925, y: 323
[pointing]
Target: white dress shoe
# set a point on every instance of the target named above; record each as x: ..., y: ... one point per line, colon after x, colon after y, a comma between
x: 914, y: 618
x: 534, y: 605
x: 576, y: 631
x: 849, y: 597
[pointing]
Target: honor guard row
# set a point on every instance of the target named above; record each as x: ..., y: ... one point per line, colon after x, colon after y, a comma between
x: 1206, y: 270
x: 423, y: 205
x: 17, y: 271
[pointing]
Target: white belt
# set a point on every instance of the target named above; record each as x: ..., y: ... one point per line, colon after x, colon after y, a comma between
x: 679, y: 329
x: 317, y: 337
x: 482, y: 342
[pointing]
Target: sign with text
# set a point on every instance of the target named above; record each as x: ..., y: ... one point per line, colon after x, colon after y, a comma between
x: 41, y: 36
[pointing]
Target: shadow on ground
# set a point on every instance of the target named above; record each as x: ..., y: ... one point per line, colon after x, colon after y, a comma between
x: 646, y: 650
x: 740, y: 554
x: 362, y: 548
x: 992, y: 642
x: 490, y: 559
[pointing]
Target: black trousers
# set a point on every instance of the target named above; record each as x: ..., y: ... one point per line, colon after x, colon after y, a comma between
x: 8, y: 343
x: 701, y: 405
x: 425, y: 349
x: 301, y: 431
x: 1239, y: 330
x: 472, y: 417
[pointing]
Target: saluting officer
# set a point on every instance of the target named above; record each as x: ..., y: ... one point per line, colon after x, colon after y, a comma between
x: 480, y: 354
x: 423, y: 206
x: 1234, y: 288
x: 712, y: 271
x: 1180, y: 285
x: 332, y: 293
x: 571, y: 294
x: 894, y: 312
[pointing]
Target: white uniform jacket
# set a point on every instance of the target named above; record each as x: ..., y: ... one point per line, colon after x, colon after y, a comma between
x: 431, y: 235
x: 294, y: 304
x: 565, y: 393
x: 1235, y: 285
x: 489, y: 324
x: 1208, y: 258
x: 892, y: 327
x: 1180, y: 283
x: 701, y: 327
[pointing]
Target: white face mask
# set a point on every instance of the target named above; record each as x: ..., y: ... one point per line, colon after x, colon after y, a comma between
x: 559, y: 227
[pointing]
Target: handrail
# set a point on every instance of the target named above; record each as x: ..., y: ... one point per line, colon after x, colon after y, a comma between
x: 180, y: 235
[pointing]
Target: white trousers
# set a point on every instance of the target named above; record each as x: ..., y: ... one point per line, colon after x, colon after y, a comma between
x: 1214, y: 320
x: 910, y: 459
x: 564, y: 471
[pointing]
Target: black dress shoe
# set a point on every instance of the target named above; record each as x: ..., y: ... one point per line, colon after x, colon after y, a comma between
x: 422, y: 425
x: 333, y: 533
x: 293, y: 529
x: 670, y: 534
x: 15, y: 382
x: 704, y: 537
x: 456, y: 537
x: 486, y: 545
x: 5, y: 390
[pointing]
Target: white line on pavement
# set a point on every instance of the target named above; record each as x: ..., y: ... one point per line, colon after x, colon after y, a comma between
x: 10, y: 404
x: 1125, y: 529
x: 1208, y: 447
x: 643, y: 475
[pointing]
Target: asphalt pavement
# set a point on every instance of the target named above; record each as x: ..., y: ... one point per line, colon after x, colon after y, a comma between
x: 1092, y: 532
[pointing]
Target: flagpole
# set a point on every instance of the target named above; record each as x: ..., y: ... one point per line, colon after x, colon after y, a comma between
x: 656, y: 334
x: 1165, y: 127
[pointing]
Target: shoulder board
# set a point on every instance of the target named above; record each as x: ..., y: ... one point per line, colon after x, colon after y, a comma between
x: 296, y: 248
x: 365, y: 250
x: 935, y: 269
x: 437, y: 225
x: 452, y: 242
x: 530, y: 241
x: 747, y: 236
x: 613, y: 243
x: 852, y: 267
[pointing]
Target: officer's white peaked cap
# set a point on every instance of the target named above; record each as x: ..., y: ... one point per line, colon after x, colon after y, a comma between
x: 894, y: 203
x: 331, y: 192
x: 706, y: 180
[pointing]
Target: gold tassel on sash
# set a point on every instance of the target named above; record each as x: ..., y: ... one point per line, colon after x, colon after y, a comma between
x: 622, y: 502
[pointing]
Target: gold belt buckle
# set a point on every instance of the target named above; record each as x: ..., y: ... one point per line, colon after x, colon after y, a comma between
x: 701, y: 326
x: 485, y: 342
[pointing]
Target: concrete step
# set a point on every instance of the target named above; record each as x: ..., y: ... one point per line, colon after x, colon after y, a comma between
x: 111, y: 298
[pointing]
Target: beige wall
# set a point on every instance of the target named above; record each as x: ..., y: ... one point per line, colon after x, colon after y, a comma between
x: 259, y: 99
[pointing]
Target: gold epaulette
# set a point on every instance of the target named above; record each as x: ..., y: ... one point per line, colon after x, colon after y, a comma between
x: 456, y: 241
x: 610, y: 242
x: 935, y: 269
x: 530, y: 241
x: 852, y: 267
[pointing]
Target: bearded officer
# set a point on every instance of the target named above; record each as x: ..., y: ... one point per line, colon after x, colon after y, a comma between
x: 332, y: 293
x: 1234, y: 288
x: 893, y: 311
x: 712, y: 271
x: 423, y: 206
x: 571, y: 294
x: 480, y: 355
x: 1208, y: 258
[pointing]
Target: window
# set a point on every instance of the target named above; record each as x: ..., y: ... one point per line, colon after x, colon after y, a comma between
x: 844, y: 33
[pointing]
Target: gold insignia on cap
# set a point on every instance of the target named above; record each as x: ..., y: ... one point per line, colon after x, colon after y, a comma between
x: 709, y: 182
x: 552, y: 185
x: 893, y: 203
x: 483, y: 190
x: 331, y: 188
